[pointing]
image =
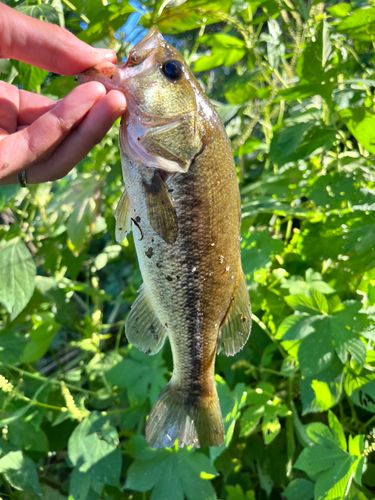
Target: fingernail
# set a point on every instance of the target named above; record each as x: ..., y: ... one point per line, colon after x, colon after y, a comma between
x: 106, y: 54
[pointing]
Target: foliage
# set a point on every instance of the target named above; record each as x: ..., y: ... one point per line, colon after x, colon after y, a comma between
x: 293, y: 83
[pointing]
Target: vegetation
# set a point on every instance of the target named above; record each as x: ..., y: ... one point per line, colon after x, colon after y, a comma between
x: 294, y: 84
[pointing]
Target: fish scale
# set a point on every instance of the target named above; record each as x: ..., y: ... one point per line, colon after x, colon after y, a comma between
x: 182, y: 199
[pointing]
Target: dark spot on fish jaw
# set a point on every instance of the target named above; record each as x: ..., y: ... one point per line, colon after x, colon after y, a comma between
x: 158, y: 265
x: 150, y: 252
x: 169, y: 278
x: 148, y: 351
x: 138, y: 219
x: 138, y: 138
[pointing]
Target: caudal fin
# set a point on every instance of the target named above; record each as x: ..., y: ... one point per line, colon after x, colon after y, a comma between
x: 193, y: 421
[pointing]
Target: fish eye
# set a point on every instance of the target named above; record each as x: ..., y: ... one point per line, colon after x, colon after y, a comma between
x: 172, y: 70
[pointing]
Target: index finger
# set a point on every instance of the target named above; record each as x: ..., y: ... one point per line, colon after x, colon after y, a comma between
x: 45, y: 45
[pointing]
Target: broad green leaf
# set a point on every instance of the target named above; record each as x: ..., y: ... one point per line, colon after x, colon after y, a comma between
x: 172, y: 474
x: 45, y: 11
x: 24, y: 434
x: 339, y: 10
x: 20, y: 471
x: 323, y: 390
x: 237, y: 493
x: 231, y: 402
x: 320, y: 301
x: 45, y: 328
x: 315, y: 353
x: 93, y: 450
x: 299, y: 488
x: 337, y: 429
x: 320, y: 457
x: 142, y: 375
x: 361, y: 124
x: 11, y: 346
x: 301, y: 303
x: 359, y: 25
x: 29, y: 77
x: 17, y: 276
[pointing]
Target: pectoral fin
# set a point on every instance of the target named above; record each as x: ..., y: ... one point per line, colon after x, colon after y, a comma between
x: 160, y: 209
x: 142, y: 327
x: 122, y: 216
x: 237, y: 324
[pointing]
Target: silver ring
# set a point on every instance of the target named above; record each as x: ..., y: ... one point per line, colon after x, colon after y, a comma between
x: 22, y: 179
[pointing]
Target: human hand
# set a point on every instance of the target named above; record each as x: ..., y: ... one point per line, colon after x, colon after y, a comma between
x: 44, y: 137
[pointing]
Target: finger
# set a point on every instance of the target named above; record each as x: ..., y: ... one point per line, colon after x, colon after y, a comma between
x: 9, y: 104
x: 45, y: 45
x: 18, y: 107
x: 32, y: 106
x: 20, y: 150
x: 81, y: 140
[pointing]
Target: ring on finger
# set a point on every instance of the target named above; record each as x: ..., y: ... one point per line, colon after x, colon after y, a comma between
x: 22, y: 179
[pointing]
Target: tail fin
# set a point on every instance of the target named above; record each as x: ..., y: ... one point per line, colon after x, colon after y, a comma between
x: 195, y: 423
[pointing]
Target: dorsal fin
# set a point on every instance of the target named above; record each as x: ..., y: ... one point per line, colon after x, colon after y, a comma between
x: 236, y: 327
x: 160, y: 209
x: 142, y: 327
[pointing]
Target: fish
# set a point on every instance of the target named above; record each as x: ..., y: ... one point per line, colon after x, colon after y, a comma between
x: 181, y: 200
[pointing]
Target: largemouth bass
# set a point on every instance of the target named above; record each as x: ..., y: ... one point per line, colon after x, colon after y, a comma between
x: 182, y: 200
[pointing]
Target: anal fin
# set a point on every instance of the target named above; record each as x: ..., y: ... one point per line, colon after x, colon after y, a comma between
x: 160, y: 209
x: 142, y: 327
x: 122, y: 216
x: 236, y: 327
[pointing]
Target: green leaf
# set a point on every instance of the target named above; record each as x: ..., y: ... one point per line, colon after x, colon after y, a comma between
x: 29, y: 77
x: 315, y: 353
x: 93, y: 450
x: 11, y: 346
x: 17, y: 276
x: 20, y: 472
x: 7, y: 192
x: 172, y: 474
x: 320, y: 301
x: 323, y: 390
x: 45, y: 11
x: 231, y: 403
x: 340, y: 10
x: 297, y: 326
x: 318, y: 458
x: 142, y: 375
x: 301, y: 303
x: 359, y: 25
x: 45, y: 328
x: 337, y: 429
x: 299, y: 488
x: 361, y: 124
x: 24, y: 434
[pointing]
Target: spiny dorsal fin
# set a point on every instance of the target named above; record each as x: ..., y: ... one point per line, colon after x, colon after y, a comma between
x: 142, y: 327
x: 160, y: 210
x: 237, y: 324
x: 122, y: 216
